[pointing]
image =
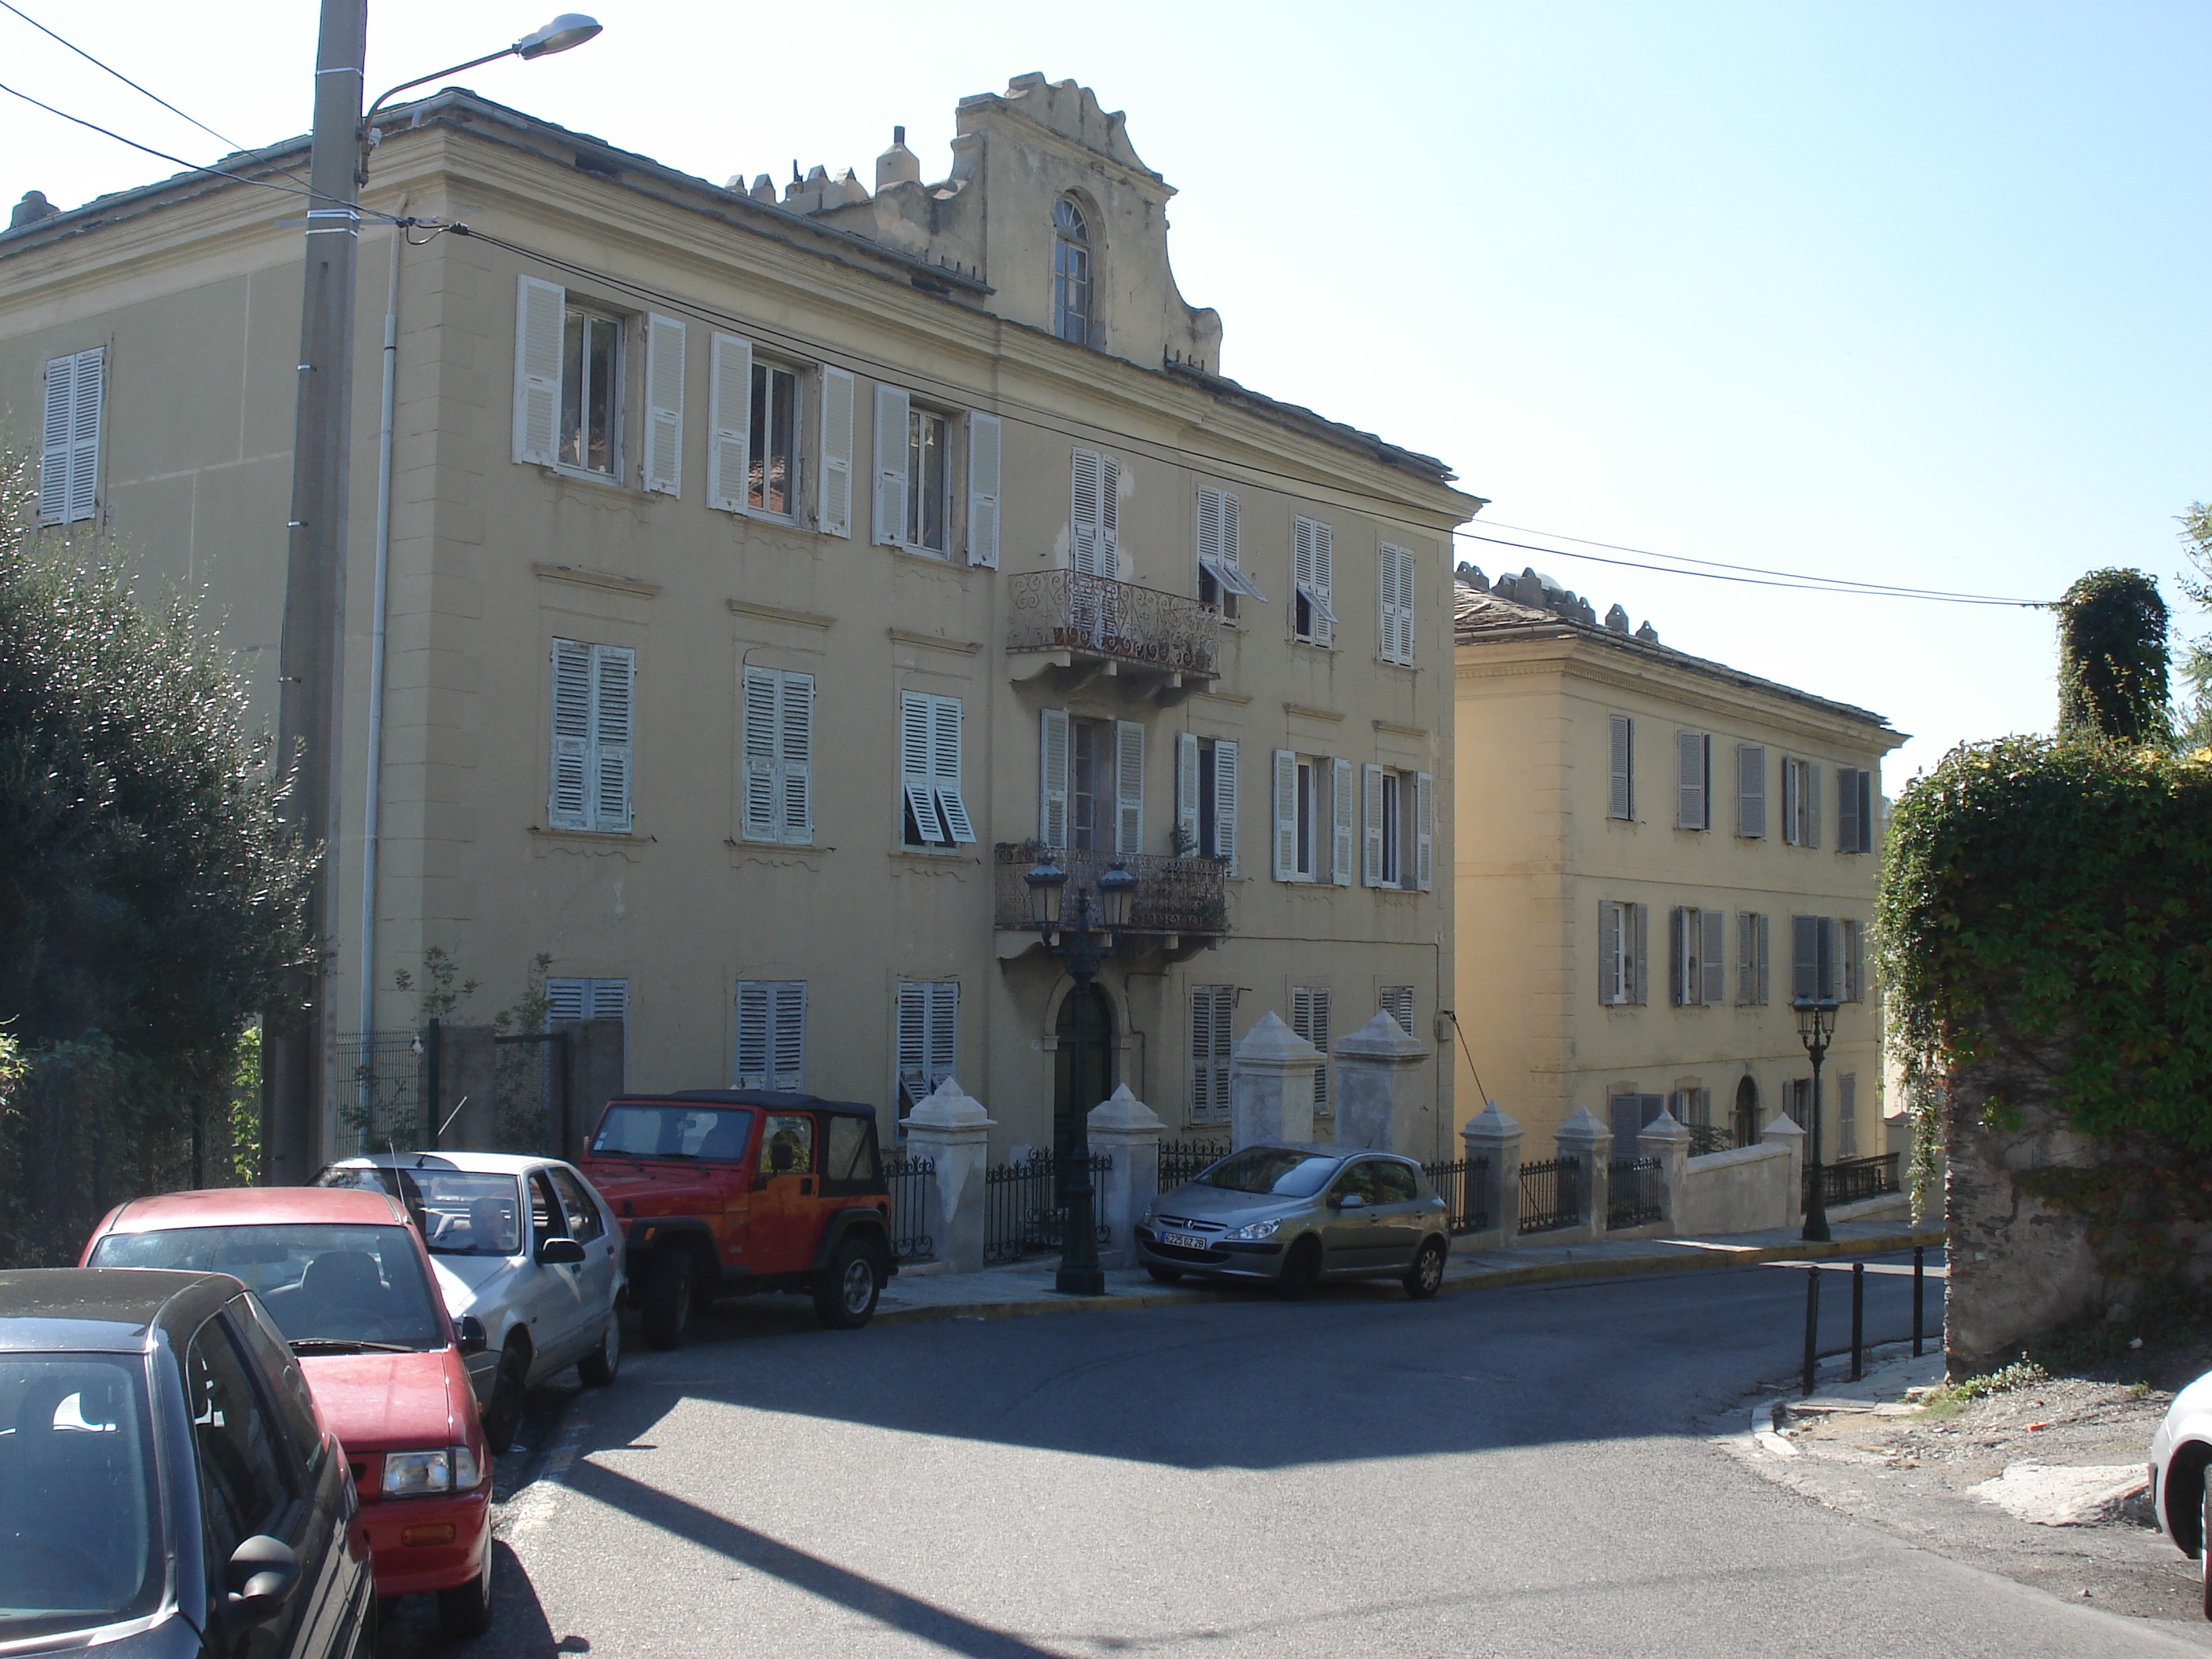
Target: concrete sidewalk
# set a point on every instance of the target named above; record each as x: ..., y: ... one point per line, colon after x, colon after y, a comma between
x: 924, y: 1292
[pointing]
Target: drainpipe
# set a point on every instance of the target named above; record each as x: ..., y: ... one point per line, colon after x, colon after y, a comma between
x: 372, y: 793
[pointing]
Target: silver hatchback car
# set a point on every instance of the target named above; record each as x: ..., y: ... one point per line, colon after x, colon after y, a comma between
x: 1299, y: 1215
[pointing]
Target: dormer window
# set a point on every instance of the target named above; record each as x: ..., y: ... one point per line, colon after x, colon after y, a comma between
x: 1071, y: 273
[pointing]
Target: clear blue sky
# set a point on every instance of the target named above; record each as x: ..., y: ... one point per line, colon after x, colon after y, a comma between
x: 1912, y: 292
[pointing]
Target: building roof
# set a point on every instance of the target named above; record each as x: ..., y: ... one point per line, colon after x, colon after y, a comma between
x: 1533, y: 606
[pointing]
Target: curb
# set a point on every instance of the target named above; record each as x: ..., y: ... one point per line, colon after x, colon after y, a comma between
x: 1543, y: 1273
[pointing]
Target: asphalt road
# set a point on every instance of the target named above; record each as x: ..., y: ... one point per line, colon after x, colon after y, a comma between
x: 1508, y: 1471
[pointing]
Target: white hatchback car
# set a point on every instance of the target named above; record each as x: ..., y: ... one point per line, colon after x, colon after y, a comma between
x: 2180, y: 1496
x: 527, y: 1248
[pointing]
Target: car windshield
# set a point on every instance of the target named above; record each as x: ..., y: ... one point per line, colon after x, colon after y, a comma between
x: 713, y: 1134
x: 461, y: 1212
x: 1273, y: 1169
x: 75, y: 1440
x: 330, y: 1287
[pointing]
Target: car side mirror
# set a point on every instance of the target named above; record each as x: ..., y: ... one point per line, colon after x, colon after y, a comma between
x: 261, y: 1573
x: 1349, y: 1201
x: 560, y: 1253
x: 469, y: 1331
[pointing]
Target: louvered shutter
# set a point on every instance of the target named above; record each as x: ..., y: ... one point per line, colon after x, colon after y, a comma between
x: 984, y: 441
x: 1397, y: 603
x: 1611, y: 989
x: 1397, y: 1001
x: 1209, y: 533
x: 1761, y: 986
x: 1847, y: 809
x: 1812, y: 804
x: 1712, y: 961
x: 569, y: 802
x: 1641, y: 955
x: 1129, y: 786
x: 1852, y: 964
x: 1286, y: 815
x: 1680, y: 983
x: 1862, y: 792
x: 1747, y: 952
x: 1621, y: 798
x: 540, y: 309
x: 1804, y: 956
x: 1425, y: 831
x: 760, y: 812
x: 915, y: 779
x: 836, y: 506
x: 1316, y: 1032
x: 664, y: 405
x: 1692, y: 750
x: 566, y: 1001
x: 84, y: 434
x: 614, y: 675
x: 1323, y: 560
x: 788, y: 1057
x: 945, y: 769
x: 1085, y: 487
x: 1341, y: 822
x: 609, y: 998
x: 1109, y: 517
x: 1837, y: 963
x: 944, y: 1035
x: 893, y: 407
x: 1371, y: 826
x: 729, y: 416
x: 1186, y: 795
x: 795, y: 761
x: 1751, y: 790
x: 54, y: 455
x: 1213, y: 1009
x: 1052, y: 778
x: 913, y: 1039
x: 1225, y: 801
x: 756, y: 1033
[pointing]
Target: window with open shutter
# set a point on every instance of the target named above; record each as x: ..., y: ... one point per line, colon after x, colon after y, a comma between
x: 1371, y: 824
x: 985, y: 440
x: 1225, y: 801
x: 771, y: 1045
x: 916, y: 772
x: 69, y: 459
x: 729, y: 418
x: 1129, y: 786
x: 1311, y: 560
x: 1620, y: 796
x: 945, y: 769
x: 1310, y: 1019
x: 614, y: 673
x: 1343, y: 826
x: 539, y: 311
x: 1285, y: 796
x: 1612, y: 980
x: 664, y: 405
x: 1213, y: 1021
x: 1186, y: 795
x: 1221, y: 579
x: 1751, y: 790
x: 893, y: 409
x: 1052, y: 778
x: 1639, y: 975
x: 1425, y: 831
x: 928, y: 1037
x: 835, y: 508
x: 1692, y: 779
x: 1712, y: 958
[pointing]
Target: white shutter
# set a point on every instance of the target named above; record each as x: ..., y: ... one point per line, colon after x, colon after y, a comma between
x: 892, y: 408
x: 1751, y: 790
x: 1691, y: 752
x: 1370, y: 798
x: 1639, y: 975
x: 1086, y: 485
x: 1129, y: 786
x: 1325, y: 620
x: 1620, y: 798
x: 1712, y: 958
x: 1210, y: 536
x: 1286, y: 815
x: 1310, y: 1019
x: 835, y: 511
x: 614, y: 673
x: 664, y: 405
x: 1609, y: 958
x: 1396, y: 567
x: 788, y: 1057
x: 568, y: 1000
x: 1109, y: 517
x: 1340, y: 823
x: 568, y: 801
x: 1052, y: 778
x: 729, y: 416
x: 540, y: 309
x: 1397, y: 1001
x: 916, y: 771
x: 1302, y: 557
x: 912, y: 1038
x: 1186, y: 795
x: 1405, y: 581
x: 1225, y: 801
x: 54, y: 455
x: 1424, y: 831
x: 795, y: 762
x: 759, y: 812
x: 945, y: 768
x: 755, y: 1032
x: 83, y: 464
x: 943, y: 1052
x: 984, y: 441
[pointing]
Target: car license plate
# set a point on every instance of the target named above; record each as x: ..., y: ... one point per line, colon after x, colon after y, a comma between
x: 1184, y: 1241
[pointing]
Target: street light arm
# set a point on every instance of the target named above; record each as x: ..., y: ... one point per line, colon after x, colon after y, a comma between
x: 436, y: 74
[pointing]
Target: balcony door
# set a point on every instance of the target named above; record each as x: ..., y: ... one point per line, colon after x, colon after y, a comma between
x: 1082, y: 1066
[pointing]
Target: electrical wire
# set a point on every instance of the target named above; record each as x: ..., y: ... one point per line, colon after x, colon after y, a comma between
x: 1795, y: 582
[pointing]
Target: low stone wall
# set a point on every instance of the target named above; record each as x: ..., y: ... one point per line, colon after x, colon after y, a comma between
x: 1744, y: 1190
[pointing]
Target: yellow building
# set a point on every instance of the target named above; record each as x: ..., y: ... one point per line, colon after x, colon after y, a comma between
x: 1656, y: 853
x: 772, y: 575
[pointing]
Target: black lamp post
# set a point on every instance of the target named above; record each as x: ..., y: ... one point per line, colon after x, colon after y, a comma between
x: 1080, y: 941
x: 1816, y: 1023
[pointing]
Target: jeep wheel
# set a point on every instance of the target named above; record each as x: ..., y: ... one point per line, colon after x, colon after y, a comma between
x: 668, y: 1296
x: 845, y: 1295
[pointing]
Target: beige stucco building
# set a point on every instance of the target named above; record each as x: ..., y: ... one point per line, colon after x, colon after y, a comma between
x: 769, y: 574
x: 1656, y: 853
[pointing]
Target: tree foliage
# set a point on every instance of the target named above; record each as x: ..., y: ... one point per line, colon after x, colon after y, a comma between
x: 2196, y: 721
x: 2112, y: 658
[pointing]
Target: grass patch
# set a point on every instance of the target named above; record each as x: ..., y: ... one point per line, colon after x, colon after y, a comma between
x: 2022, y: 1373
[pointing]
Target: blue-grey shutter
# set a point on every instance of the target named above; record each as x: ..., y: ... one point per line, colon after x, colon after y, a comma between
x: 1621, y: 800
x: 1751, y: 790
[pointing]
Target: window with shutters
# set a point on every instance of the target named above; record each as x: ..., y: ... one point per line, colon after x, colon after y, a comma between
x: 69, y: 458
x: 1693, y: 780
x: 1302, y: 829
x: 1396, y: 582
x: 1697, y: 971
x: 1310, y: 1019
x: 1397, y: 1001
x: 1691, y: 1106
x: 1800, y: 802
x: 592, y: 735
x: 772, y: 468
x: 1750, y: 959
x: 985, y: 442
x: 929, y: 480
x: 771, y: 1034
x: 1621, y: 952
x: 1621, y: 791
x: 1312, y: 621
x: 591, y: 389
x: 1221, y: 579
x: 570, y: 999
x: 777, y: 785
x: 1812, y: 957
x: 1397, y: 809
x: 1094, y: 518
x: 934, y: 812
x: 928, y: 1037
x: 1205, y: 798
x: 1751, y: 790
x: 1071, y: 273
x: 1847, y: 1115
x: 1854, y: 810
x: 1212, y: 1027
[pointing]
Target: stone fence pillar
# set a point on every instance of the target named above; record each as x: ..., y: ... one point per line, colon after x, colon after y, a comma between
x: 1128, y: 1132
x: 1784, y: 1132
x: 1669, y: 1142
x: 1271, y: 1085
x: 1495, y: 1137
x: 1583, y: 1137
x: 1377, y: 1085
x: 951, y: 1129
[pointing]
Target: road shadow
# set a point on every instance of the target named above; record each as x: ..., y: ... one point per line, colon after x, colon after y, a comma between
x: 408, y: 1627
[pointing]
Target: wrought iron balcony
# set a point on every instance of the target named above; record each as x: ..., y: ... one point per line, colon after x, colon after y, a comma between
x: 1088, y: 621
x: 1176, y: 899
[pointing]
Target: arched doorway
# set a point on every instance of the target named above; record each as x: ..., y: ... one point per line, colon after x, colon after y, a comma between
x: 1747, y: 1113
x: 1082, y: 1064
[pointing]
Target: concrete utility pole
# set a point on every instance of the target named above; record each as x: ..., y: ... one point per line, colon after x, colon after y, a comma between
x: 308, y: 724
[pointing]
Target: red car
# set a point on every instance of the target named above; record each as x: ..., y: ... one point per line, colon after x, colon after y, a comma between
x: 348, y: 1282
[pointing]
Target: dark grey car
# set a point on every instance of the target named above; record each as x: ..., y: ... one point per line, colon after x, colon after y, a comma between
x: 1299, y: 1215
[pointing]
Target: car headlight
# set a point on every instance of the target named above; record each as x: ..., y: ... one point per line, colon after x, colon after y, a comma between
x: 1256, y: 1230
x: 426, y: 1473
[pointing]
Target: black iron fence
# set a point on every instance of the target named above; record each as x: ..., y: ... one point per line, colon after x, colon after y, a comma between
x: 911, y: 1179
x: 1464, y: 1187
x: 1855, y: 1178
x: 1632, y: 1192
x: 1551, y: 1194
x: 1022, y: 1211
x: 1182, y: 1160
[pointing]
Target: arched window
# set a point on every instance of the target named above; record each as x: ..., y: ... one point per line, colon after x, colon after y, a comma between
x: 1071, y: 273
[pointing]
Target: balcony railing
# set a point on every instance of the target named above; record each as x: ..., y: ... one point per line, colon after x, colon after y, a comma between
x: 1093, y: 616
x: 1182, y: 897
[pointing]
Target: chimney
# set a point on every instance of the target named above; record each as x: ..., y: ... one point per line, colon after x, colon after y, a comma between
x: 898, y: 165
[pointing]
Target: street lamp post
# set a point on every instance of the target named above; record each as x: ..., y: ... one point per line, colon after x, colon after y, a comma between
x: 1082, y: 943
x: 1816, y: 1024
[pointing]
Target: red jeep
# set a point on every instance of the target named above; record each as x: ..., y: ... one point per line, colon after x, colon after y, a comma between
x: 725, y: 1192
